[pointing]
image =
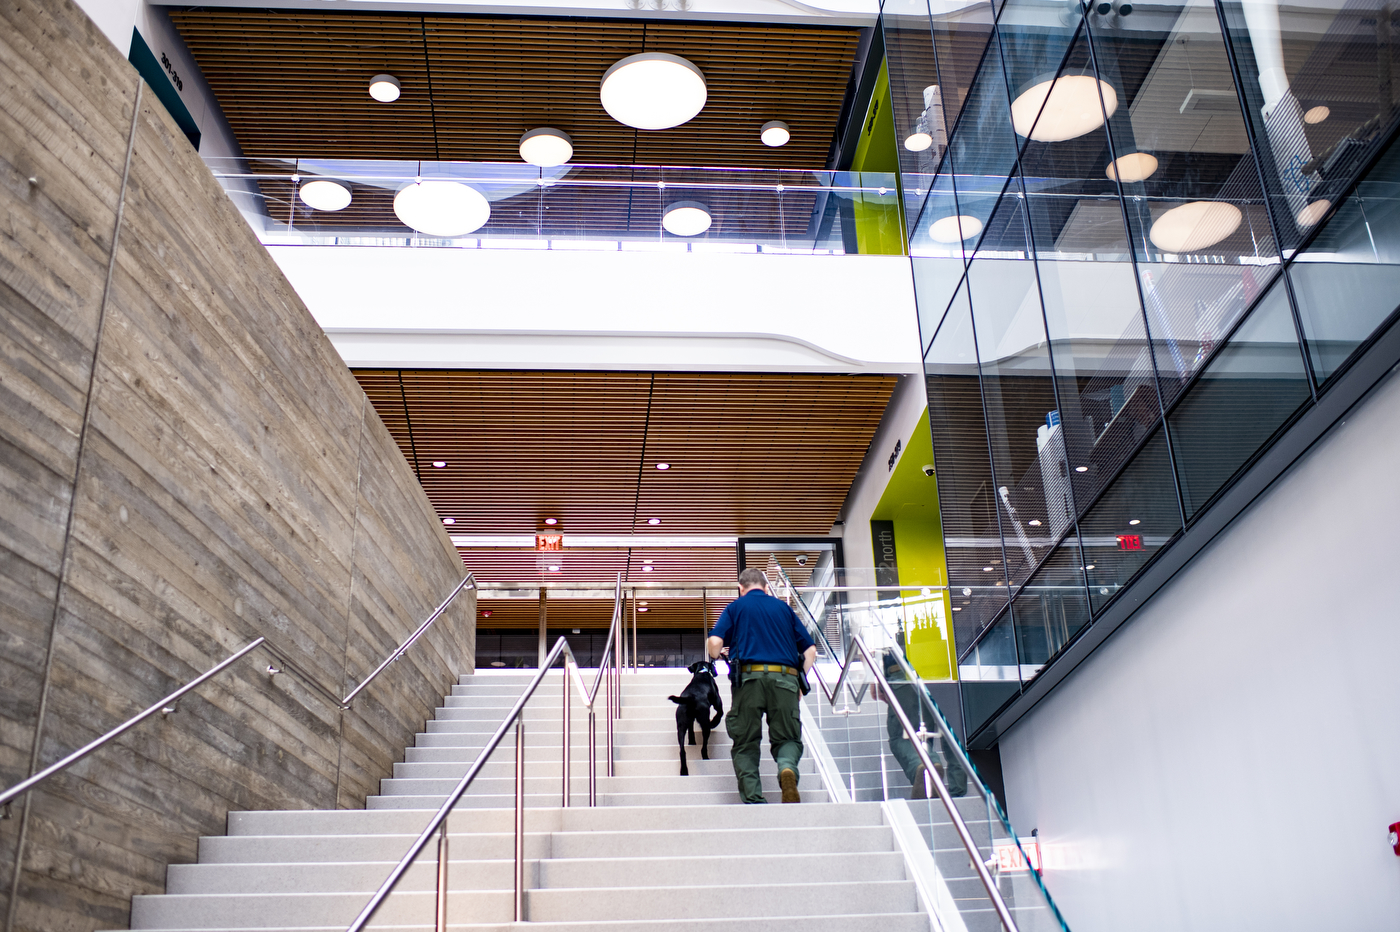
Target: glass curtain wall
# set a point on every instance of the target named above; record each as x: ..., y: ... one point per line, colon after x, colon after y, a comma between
x: 1144, y: 237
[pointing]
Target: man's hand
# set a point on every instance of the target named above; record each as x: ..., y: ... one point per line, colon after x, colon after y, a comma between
x: 716, y: 648
x: 809, y: 657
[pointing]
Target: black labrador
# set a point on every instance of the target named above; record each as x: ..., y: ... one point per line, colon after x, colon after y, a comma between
x: 693, y: 705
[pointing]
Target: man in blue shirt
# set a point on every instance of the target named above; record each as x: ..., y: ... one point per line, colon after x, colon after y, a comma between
x: 769, y: 645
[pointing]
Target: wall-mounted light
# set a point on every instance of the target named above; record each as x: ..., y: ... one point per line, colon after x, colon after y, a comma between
x: 384, y: 88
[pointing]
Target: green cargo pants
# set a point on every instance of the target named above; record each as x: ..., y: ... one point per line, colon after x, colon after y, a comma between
x: 759, y: 694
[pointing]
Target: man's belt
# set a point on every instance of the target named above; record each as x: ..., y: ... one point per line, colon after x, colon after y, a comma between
x: 769, y: 668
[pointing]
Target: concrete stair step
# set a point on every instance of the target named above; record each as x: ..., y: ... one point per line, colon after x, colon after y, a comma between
x: 335, y: 849
x: 685, y: 902
x: 716, y: 871
x: 885, y: 922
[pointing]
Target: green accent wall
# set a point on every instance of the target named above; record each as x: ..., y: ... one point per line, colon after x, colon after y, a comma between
x: 911, y: 502
x: 879, y: 223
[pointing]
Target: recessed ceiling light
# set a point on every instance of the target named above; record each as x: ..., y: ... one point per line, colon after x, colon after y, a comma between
x: 663, y: 466
x: 546, y: 147
x: 1317, y: 114
x: 384, y: 88
x: 686, y: 218
x: 642, y: 608
x: 918, y: 142
x: 498, y: 663
x: 1081, y: 469
x: 1314, y: 212
x: 1067, y: 107
x: 1194, y: 226
x: 325, y: 195
x: 653, y: 520
x: 646, y: 569
x: 575, y: 631
x: 956, y: 608
x: 1089, y: 567
x: 553, y: 568
x: 486, y: 613
x: 442, y: 208
x: 653, y: 90
x: 643, y: 602
x: 954, y: 229
x: 1135, y: 521
x: 648, y: 561
x: 775, y: 133
x: 1034, y: 522
x: 986, y: 569
x: 1135, y: 166
x: 439, y: 464
x: 449, y: 520
x: 551, y: 521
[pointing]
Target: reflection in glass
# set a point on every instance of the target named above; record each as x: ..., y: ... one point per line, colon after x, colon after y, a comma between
x: 1318, y: 88
x: 966, y: 496
x: 1051, y: 608
x: 1348, y: 279
x: 990, y: 674
x: 983, y: 147
x: 1251, y: 387
x: 917, y: 100
x: 1136, y: 517
x: 961, y: 32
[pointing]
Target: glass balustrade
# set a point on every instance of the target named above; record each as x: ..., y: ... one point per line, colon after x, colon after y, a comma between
x: 486, y: 205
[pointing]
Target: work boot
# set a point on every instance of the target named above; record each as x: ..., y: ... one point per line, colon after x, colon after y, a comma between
x: 787, y: 779
x: 920, y: 788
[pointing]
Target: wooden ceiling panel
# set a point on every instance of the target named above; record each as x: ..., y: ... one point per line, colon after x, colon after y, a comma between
x: 684, y: 613
x: 293, y: 83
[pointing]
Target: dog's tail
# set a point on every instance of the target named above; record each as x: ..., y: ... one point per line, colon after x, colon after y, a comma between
x: 718, y: 716
x: 677, y: 700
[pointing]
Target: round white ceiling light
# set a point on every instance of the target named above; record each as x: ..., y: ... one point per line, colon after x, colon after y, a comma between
x: 384, y: 88
x: 686, y: 218
x: 775, y: 133
x: 1317, y: 114
x: 1314, y: 212
x: 325, y: 195
x: 442, y: 208
x: 1196, y: 225
x: 1054, y: 110
x: 954, y: 229
x: 918, y: 142
x: 1135, y: 166
x: 546, y: 147
x: 653, y: 90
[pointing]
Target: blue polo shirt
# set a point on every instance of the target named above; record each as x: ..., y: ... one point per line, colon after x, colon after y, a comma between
x: 758, y: 628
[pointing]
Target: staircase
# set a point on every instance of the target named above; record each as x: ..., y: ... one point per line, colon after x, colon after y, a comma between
x: 660, y: 852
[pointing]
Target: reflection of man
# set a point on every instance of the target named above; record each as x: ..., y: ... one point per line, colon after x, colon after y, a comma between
x: 768, y: 644
x: 902, y: 748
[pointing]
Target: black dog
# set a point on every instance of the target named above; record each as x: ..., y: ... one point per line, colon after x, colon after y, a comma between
x: 694, y: 706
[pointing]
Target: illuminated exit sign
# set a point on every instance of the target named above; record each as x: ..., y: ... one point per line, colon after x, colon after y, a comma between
x: 1011, y: 857
x: 549, y: 541
x: 1129, y: 541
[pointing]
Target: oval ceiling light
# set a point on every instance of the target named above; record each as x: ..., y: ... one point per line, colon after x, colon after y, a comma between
x: 918, y: 142
x: 384, y: 88
x: 325, y: 195
x: 954, y: 229
x: 442, y: 208
x: 1317, y: 114
x: 775, y: 133
x: 546, y: 147
x: 653, y: 90
x: 1194, y: 226
x: 1135, y: 166
x: 1065, y: 108
x: 1314, y: 212
x: 686, y: 218
x: 653, y: 521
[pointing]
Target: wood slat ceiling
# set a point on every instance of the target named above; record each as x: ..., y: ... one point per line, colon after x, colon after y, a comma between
x: 682, y: 613
x: 750, y: 454
x: 293, y: 83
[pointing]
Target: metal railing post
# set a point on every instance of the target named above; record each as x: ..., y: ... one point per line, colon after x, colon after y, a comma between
x: 441, y: 923
x: 520, y: 818
x: 568, y: 732
x: 592, y: 757
x: 612, y: 712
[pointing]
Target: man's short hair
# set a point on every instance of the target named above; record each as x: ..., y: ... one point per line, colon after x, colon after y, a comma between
x: 752, y: 577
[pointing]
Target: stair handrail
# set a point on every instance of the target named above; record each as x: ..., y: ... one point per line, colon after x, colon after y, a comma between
x: 168, y: 706
x: 609, y: 672
x: 857, y: 646
x: 468, y: 580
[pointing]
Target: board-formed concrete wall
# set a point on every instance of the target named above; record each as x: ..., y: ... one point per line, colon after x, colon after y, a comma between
x: 185, y: 464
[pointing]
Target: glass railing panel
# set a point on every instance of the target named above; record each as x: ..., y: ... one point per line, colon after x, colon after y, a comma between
x: 1250, y: 389
x: 591, y: 207
x: 1051, y: 608
x: 1347, y: 281
x: 990, y: 674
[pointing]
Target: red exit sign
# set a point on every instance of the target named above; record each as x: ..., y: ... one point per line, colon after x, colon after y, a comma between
x: 549, y: 541
x: 1129, y: 541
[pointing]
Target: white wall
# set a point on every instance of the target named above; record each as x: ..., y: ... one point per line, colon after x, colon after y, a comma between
x: 906, y: 406
x: 538, y: 309
x: 1230, y: 758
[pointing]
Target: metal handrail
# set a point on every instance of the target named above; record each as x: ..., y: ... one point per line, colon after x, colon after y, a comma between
x: 857, y: 646
x: 408, y: 642
x: 437, y: 825
x: 167, y: 706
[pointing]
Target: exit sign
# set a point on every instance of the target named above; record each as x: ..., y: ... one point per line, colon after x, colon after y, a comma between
x: 1011, y: 857
x: 1129, y: 541
x: 549, y: 542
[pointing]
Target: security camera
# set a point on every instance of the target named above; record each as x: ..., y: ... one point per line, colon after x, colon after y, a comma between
x: 928, y: 470
x: 802, y: 559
